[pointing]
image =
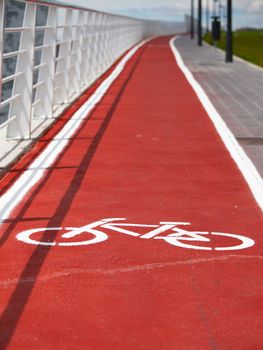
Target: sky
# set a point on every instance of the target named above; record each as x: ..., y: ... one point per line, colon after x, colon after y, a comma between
x: 246, y: 12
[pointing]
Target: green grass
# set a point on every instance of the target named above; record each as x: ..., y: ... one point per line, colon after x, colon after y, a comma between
x: 247, y: 44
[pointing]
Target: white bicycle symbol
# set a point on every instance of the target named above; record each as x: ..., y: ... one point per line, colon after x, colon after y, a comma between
x: 179, y: 237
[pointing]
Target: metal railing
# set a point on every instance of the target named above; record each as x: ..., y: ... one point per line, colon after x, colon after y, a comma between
x: 51, y: 52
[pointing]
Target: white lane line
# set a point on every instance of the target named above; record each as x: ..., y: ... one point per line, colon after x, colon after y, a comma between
x: 13, y: 196
x: 244, y: 164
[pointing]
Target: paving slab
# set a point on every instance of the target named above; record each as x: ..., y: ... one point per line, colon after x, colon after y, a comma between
x: 235, y: 89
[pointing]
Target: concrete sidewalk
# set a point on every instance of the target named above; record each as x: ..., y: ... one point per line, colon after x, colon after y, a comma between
x: 235, y: 90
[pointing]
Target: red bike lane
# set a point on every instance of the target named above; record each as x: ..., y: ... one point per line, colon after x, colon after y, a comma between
x: 148, y: 153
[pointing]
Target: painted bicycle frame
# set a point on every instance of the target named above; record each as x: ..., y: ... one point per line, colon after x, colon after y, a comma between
x: 179, y: 237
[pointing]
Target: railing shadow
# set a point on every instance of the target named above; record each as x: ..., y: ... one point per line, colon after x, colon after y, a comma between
x: 21, y: 293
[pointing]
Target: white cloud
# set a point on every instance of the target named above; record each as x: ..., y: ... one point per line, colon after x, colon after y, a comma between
x: 245, y: 11
x: 165, y: 13
x: 133, y: 4
x: 249, y: 6
x: 256, y: 6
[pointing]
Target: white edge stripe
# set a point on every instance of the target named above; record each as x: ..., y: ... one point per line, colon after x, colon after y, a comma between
x: 245, y: 165
x: 15, y: 194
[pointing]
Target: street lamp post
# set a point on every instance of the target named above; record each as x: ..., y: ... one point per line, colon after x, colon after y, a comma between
x: 192, y: 19
x: 229, y: 39
x: 207, y: 16
x: 200, y: 23
x: 214, y: 7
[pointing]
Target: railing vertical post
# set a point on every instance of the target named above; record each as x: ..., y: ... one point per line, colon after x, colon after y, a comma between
x: 20, y: 127
x: 111, y: 38
x: 99, y: 29
x: 79, y: 50
x: 96, y: 42
x: 45, y: 92
x: 91, y: 47
x: 84, y: 49
x: 126, y: 25
x: 74, y: 58
x: 118, y: 33
x: 63, y: 65
x: 69, y: 37
x: 106, y: 42
x: 116, y: 36
x: 123, y: 34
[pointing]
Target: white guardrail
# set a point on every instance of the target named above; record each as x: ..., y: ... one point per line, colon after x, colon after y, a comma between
x: 50, y: 52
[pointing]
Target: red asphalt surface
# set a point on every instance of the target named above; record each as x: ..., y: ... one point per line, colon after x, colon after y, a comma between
x: 148, y: 153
